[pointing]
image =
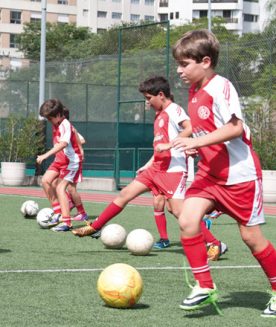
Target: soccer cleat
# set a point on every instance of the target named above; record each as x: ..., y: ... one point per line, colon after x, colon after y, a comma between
x: 61, y: 228
x: 270, y: 311
x: 215, y: 214
x: 199, y: 297
x: 87, y: 231
x: 80, y: 217
x: 54, y: 220
x: 216, y: 251
x: 161, y: 244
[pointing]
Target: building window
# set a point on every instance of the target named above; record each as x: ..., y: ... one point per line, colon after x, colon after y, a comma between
x: 35, y: 0
x: 149, y: 18
x: 116, y: 0
x: 134, y: 18
x: 163, y: 3
x: 85, y: 12
x: 13, y: 41
x: 171, y: 15
x: 135, y: 2
x: 62, y: 2
x: 149, y: 2
x: 203, y: 13
x: 163, y: 17
x: 116, y: 15
x: 250, y: 18
x: 101, y: 14
x: 101, y: 30
x: 15, y: 17
x: 177, y: 15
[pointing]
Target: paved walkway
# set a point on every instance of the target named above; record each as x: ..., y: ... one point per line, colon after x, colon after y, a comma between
x: 103, y: 197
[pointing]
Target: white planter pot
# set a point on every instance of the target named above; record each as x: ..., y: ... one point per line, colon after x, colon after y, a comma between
x: 13, y: 173
x: 269, y: 185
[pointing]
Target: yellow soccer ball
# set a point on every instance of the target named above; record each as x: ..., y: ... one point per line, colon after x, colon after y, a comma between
x: 120, y: 285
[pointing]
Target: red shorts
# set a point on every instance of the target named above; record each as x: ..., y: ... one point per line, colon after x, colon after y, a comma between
x: 171, y: 185
x: 71, y: 175
x: 243, y: 201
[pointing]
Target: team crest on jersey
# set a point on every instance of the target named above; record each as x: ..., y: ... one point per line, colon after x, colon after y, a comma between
x: 161, y: 123
x: 203, y: 112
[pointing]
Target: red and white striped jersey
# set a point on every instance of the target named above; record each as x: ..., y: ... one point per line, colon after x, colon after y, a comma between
x: 211, y: 107
x: 167, y: 126
x: 70, y: 156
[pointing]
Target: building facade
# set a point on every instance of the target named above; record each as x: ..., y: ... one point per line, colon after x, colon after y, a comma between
x: 241, y: 16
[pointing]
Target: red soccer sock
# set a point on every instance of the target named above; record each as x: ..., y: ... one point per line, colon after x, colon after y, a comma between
x: 56, y: 207
x: 208, y: 236
x: 267, y: 260
x: 70, y: 200
x: 80, y: 209
x: 195, y: 250
x: 109, y: 212
x: 161, y: 223
x: 67, y: 220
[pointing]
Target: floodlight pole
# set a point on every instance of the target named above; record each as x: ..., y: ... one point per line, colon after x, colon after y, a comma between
x: 42, y: 52
x: 209, y: 16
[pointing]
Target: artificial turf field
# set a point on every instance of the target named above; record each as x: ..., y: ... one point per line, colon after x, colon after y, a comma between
x: 49, y: 279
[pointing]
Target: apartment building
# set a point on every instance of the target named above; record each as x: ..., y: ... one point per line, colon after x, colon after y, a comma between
x: 241, y: 16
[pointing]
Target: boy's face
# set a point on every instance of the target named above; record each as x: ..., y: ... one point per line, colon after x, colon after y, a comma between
x: 55, y: 120
x: 154, y: 101
x: 191, y: 72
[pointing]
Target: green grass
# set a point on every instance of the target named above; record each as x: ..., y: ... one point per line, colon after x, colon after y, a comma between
x: 70, y: 298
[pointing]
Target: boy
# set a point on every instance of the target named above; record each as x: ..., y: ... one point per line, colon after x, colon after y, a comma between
x: 67, y: 166
x: 167, y: 172
x: 229, y: 173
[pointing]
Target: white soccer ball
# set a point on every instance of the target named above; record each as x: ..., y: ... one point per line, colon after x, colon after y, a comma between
x: 43, y: 217
x: 29, y: 208
x: 113, y: 236
x: 139, y: 242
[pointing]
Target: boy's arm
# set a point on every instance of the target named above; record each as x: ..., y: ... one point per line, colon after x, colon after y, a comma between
x: 187, y: 131
x: 55, y: 149
x: 231, y: 130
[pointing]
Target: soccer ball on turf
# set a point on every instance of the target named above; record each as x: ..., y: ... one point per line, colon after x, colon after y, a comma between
x: 120, y: 285
x: 29, y: 208
x: 113, y: 236
x: 139, y: 242
x: 43, y: 217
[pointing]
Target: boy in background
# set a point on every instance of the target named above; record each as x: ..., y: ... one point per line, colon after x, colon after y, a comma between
x: 167, y: 172
x: 67, y: 166
x: 229, y: 176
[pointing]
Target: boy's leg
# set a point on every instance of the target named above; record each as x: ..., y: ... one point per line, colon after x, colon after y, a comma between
x: 160, y: 221
x: 72, y: 189
x: 48, y: 181
x: 265, y: 254
x: 194, y: 247
x: 128, y: 193
x: 64, y: 204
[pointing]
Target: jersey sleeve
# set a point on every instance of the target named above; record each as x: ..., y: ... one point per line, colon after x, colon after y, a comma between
x: 65, y: 131
x: 228, y: 102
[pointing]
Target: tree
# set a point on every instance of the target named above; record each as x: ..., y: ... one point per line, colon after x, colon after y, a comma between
x: 62, y: 41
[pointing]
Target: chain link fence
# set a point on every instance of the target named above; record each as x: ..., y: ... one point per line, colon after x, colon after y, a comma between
x: 107, y: 109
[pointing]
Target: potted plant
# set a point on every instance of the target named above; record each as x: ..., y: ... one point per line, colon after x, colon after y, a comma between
x: 21, y: 139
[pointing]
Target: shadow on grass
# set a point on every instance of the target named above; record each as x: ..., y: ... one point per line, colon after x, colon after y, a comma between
x: 5, y: 250
x: 253, y: 300
x: 138, y: 306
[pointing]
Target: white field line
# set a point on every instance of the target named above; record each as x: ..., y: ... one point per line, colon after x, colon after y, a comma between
x: 81, y: 270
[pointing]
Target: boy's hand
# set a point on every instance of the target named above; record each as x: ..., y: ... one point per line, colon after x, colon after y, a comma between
x: 40, y: 159
x: 163, y: 147
x: 191, y: 153
x: 184, y: 143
